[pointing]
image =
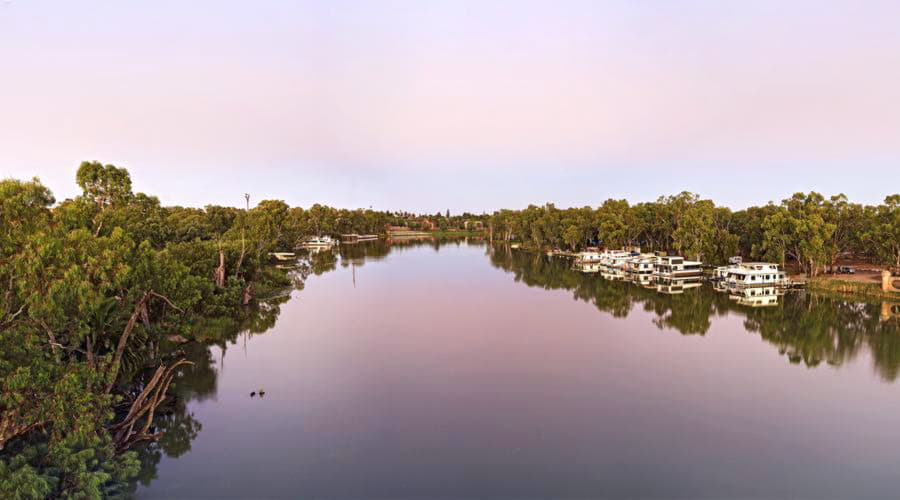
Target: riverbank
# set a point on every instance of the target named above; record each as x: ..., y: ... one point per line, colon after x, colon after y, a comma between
x: 866, y: 285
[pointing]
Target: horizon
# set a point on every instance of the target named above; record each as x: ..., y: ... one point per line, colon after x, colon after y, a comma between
x: 459, y: 106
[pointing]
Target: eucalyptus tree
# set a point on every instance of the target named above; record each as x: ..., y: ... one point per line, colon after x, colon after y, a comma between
x: 883, y: 233
x: 800, y: 230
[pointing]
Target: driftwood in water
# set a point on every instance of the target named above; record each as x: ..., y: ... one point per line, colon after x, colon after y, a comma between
x: 144, y: 407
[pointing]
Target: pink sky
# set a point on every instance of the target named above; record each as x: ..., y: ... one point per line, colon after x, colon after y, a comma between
x: 460, y: 105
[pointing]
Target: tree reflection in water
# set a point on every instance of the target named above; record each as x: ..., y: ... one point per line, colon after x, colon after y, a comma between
x: 805, y: 327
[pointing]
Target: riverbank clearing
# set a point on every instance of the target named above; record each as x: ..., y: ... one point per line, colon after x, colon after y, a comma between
x: 866, y: 283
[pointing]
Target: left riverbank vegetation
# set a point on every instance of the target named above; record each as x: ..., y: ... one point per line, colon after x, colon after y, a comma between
x: 808, y: 231
x: 98, y: 293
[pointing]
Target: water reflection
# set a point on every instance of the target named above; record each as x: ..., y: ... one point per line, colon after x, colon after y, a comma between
x: 197, y: 382
x: 806, y: 328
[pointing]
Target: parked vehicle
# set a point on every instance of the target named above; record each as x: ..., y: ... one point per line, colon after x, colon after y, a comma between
x: 846, y: 270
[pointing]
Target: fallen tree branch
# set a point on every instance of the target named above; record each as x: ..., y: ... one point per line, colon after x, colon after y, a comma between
x: 145, y: 406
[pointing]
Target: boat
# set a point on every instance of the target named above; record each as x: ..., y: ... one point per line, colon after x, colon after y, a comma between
x: 317, y: 242
x: 615, y: 260
x: 755, y: 274
x: 591, y: 257
x: 675, y: 267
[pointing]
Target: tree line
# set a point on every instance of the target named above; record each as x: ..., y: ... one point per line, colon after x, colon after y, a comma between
x: 809, y: 230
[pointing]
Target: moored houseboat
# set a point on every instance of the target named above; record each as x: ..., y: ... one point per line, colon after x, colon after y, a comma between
x: 317, y: 242
x: 755, y: 274
x: 675, y: 267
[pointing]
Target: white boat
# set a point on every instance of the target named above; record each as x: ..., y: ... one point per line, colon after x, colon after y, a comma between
x: 588, y: 257
x: 755, y: 274
x: 317, y: 241
x: 615, y: 260
x: 675, y: 267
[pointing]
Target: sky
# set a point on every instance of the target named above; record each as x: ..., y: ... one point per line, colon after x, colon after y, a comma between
x: 460, y: 105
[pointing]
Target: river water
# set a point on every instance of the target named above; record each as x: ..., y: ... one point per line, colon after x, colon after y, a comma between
x: 462, y: 370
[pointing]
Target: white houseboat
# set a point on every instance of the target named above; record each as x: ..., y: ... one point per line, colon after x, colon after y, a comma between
x: 675, y: 267
x: 317, y: 242
x: 590, y: 257
x: 615, y: 260
x: 755, y: 274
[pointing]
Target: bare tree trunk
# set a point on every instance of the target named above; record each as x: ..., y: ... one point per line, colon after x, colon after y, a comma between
x: 90, y: 351
x: 220, y: 271
x: 240, y: 261
x: 9, y: 429
x: 51, y: 337
x: 123, y: 342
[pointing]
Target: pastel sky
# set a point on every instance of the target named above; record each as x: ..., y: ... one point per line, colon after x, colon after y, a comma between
x: 474, y: 105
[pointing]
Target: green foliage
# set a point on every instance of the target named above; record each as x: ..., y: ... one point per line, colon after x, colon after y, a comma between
x: 808, y: 229
x: 104, y: 185
x: 883, y: 233
x: 73, y: 467
x: 92, y: 289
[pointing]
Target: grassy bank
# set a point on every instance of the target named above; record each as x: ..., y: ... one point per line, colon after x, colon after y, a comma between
x: 842, y: 287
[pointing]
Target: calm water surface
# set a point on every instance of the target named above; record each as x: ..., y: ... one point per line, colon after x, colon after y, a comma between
x: 465, y: 371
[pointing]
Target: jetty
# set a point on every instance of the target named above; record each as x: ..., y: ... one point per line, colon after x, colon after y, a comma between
x: 354, y: 238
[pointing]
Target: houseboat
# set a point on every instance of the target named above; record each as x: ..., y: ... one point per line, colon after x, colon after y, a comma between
x: 317, y: 242
x: 589, y: 257
x: 755, y: 274
x: 675, y: 267
x: 614, y: 260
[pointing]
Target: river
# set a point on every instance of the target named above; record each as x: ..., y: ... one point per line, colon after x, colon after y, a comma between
x: 463, y: 370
